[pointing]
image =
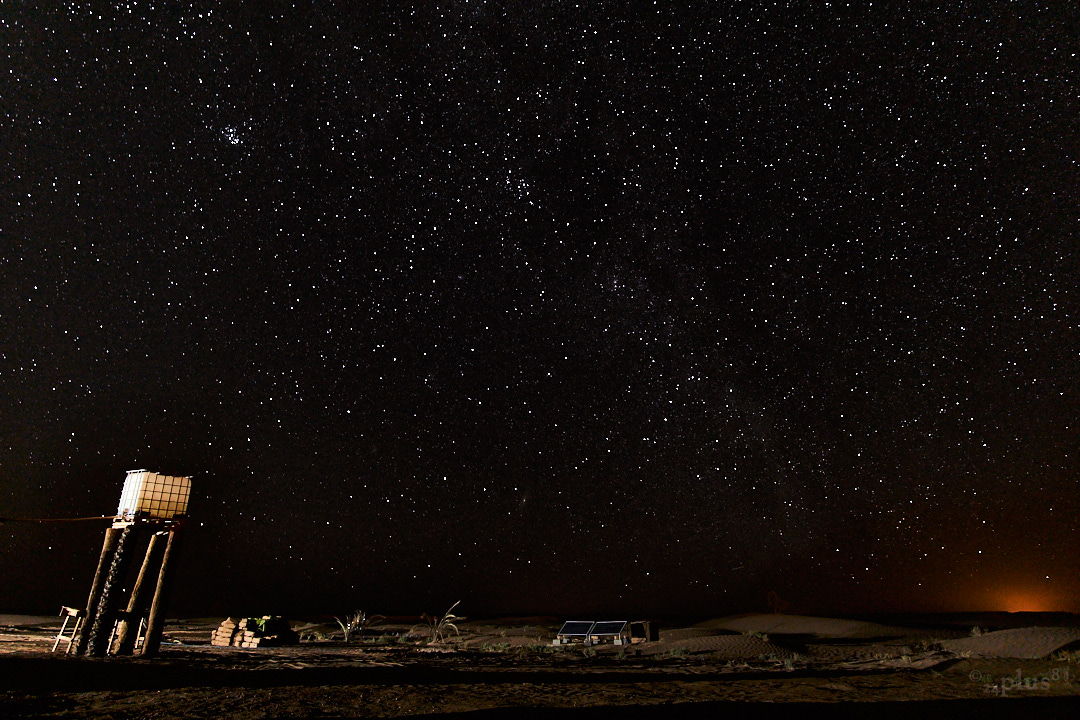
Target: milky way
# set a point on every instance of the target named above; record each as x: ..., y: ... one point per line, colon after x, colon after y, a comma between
x: 546, y: 308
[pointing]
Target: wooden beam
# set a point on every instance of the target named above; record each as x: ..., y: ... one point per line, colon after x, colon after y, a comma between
x: 127, y: 633
x: 101, y: 633
x: 156, y: 624
x: 108, y: 549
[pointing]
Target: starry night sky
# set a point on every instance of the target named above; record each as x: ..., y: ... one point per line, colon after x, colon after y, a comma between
x: 548, y: 307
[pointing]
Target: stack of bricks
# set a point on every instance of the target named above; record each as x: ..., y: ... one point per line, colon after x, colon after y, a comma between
x: 254, y: 632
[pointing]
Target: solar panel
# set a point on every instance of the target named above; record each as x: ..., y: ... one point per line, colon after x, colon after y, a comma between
x: 608, y: 627
x: 576, y: 627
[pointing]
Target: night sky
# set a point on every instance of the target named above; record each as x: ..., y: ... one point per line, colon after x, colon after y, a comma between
x: 547, y: 307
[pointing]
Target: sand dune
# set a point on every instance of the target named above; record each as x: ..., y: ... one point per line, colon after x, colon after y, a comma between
x: 720, y: 647
x: 1030, y: 643
x: 780, y: 624
x: 27, y: 620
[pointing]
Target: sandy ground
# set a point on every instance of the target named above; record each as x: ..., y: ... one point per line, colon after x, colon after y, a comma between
x: 756, y: 665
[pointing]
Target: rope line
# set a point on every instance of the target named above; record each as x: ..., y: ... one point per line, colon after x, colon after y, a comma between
x: 57, y: 520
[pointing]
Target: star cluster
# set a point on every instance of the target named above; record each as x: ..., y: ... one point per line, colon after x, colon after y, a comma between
x: 552, y: 307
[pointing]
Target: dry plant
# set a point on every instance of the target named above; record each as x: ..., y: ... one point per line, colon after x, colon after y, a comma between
x: 535, y: 648
x: 439, y: 627
x: 359, y: 621
x: 927, y: 645
x: 1066, y: 655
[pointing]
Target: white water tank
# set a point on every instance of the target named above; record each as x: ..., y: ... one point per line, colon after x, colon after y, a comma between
x: 150, y: 495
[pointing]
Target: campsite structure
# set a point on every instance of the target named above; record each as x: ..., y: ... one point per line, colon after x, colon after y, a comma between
x: 616, y: 632
x: 152, y: 510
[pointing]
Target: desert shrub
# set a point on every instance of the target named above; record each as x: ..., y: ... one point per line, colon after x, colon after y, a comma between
x: 439, y: 628
x: 1066, y: 656
x: 537, y: 648
x: 925, y: 645
x: 977, y: 631
x: 357, y: 622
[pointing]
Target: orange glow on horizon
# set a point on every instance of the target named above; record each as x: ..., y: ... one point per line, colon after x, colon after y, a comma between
x: 1024, y: 600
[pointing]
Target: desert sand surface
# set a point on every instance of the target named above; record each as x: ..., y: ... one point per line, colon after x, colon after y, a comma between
x: 744, y: 666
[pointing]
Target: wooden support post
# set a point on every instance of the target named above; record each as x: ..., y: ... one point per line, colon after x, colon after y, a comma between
x: 112, y: 537
x: 102, y: 631
x: 156, y: 624
x: 127, y: 633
